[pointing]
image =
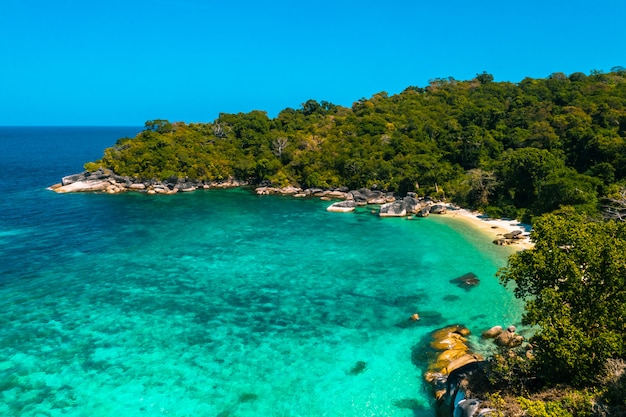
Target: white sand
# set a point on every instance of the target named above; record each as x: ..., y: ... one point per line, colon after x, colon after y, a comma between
x: 494, y: 228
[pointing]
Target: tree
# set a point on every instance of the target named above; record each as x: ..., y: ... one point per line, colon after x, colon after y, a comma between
x: 566, y: 187
x: 484, y: 78
x: 619, y: 69
x: 574, y: 284
x: 481, y: 183
x: 521, y: 172
x: 158, y: 125
x: 279, y: 145
x: 310, y: 107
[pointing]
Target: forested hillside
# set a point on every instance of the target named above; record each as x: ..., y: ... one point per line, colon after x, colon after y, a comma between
x: 514, y: 149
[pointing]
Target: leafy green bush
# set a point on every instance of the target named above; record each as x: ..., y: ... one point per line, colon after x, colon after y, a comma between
x: 543, y: 408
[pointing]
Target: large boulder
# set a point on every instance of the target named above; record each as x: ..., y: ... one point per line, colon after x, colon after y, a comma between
x: 462, y: 361
x: 337, y: 194
x: 264, y: 190
x: 412, y: 204
x: 495, y: 331
x: 395, y: 209
x: 515, y: 234
x: 70, y: 179
x: 424, y: 211
x: 509, y: 338
x: 342, y: 206
x: 438, y: 209
x: 469, y: 406
x: 186, y: 187
x: 137, y: 186
x: 366, y: 196
x: 289, y: 190
x: 359, y: 198
x: 84, y: 186
x: 452, y: 341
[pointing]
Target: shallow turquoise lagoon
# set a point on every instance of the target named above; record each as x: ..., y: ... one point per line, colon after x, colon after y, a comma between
x: 224, y: 303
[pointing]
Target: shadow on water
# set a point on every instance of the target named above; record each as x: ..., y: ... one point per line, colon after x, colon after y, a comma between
x: 358, y: 368
x: 246, y: 397
x: 419, y: 408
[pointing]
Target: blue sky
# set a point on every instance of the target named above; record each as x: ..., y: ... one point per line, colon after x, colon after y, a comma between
x: 119, y: 62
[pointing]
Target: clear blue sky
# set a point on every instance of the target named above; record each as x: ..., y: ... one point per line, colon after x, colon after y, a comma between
x: 78, y: 62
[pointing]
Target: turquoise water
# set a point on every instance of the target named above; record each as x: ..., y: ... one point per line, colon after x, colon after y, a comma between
x: 221, y: 302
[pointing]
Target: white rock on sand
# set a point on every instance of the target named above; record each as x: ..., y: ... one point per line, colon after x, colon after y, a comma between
x: 496, y: 228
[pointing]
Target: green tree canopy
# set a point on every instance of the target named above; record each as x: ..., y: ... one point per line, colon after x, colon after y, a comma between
x: 574, y: 284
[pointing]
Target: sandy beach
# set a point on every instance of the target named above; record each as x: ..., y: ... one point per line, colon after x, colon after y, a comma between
x: 494, y: 228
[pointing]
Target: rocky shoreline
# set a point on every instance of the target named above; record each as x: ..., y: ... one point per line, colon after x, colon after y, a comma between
x: 106, y: 181
x: 389, y: 204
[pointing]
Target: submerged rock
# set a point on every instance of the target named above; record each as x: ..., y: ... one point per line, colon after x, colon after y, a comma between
x: 409, y: 404
x: 466, y: 281
x: 358, y: 368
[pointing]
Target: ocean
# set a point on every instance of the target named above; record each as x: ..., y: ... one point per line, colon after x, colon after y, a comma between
x: 219, y: 302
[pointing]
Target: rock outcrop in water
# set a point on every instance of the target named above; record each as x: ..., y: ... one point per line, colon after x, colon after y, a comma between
x: 342, y: 206
x: 108, y: 182
x: 455, y: 364
x: 466, y: 281
x: 453, y: 353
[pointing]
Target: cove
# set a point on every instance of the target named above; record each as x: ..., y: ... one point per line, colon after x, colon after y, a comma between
x: 221, y: 302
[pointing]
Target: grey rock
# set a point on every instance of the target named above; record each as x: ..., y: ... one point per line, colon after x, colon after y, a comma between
x: 412, y: 204
x: 438, y: 209
x: 342, y: 206
x: 395, y: 209
x: 512, y: 235
x: 468, y: 407
x: 424, y: 211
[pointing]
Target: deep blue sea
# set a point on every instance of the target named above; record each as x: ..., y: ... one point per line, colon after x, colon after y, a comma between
x: 219, y: 302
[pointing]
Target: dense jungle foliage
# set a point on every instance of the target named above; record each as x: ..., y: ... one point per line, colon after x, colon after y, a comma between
x: 509, y: 149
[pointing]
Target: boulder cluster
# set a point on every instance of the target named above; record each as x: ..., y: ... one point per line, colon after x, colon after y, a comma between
x: 509, y: 238
x: 108, y: 182
x: 505, y: 338
x: 455, y: 363
x: 390, y: 205
x: 453, y: 353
